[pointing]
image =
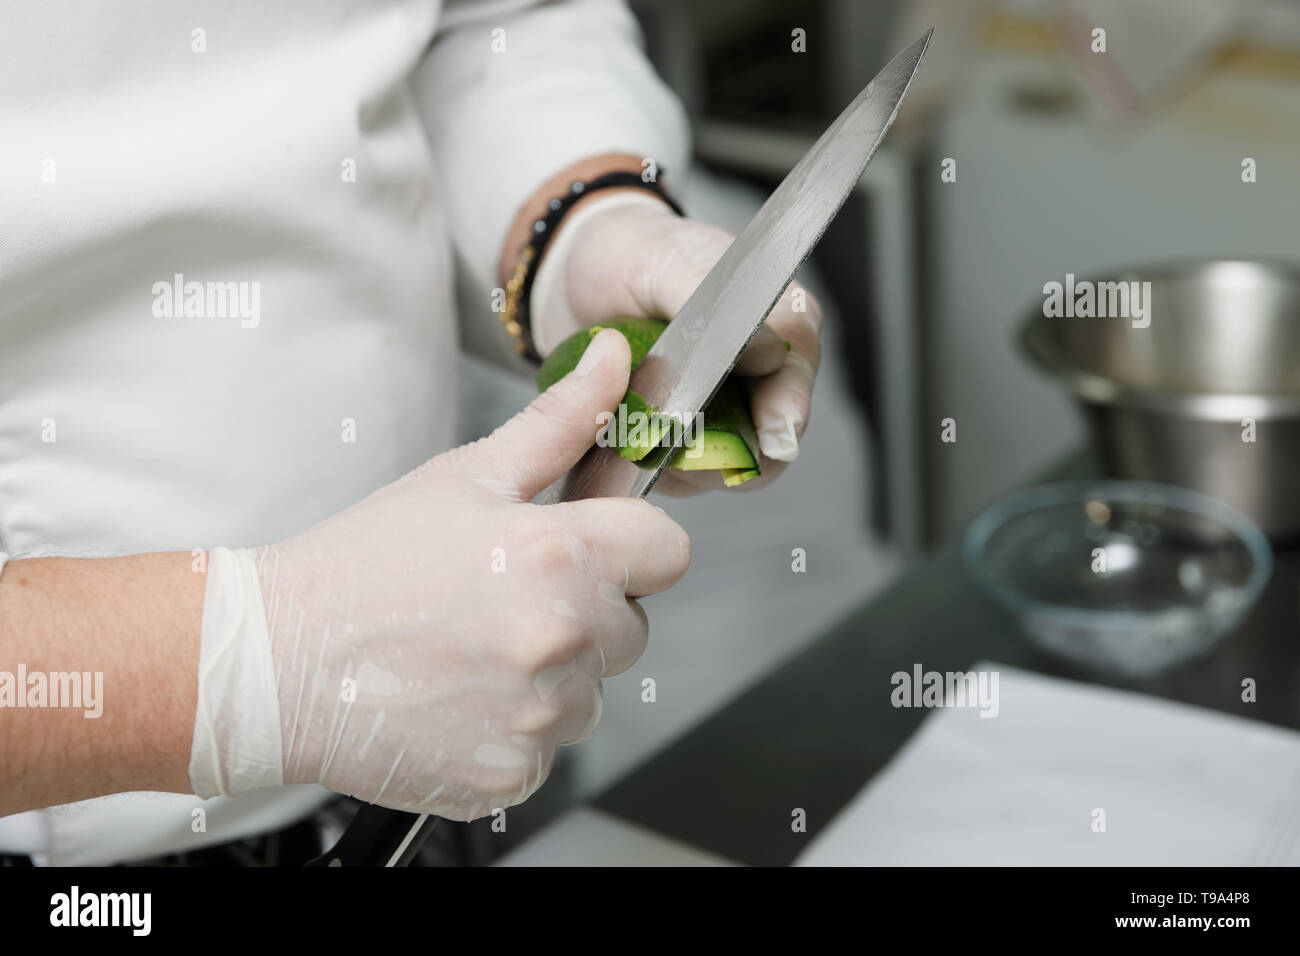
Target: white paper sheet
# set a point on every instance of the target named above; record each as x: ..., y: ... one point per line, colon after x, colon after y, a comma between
x: 1179, y: 785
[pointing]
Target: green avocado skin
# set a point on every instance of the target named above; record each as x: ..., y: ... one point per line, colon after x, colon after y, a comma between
x: 728, y: 411
x: 641, y: 335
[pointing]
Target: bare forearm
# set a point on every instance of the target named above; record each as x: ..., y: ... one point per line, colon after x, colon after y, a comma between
x: 133, y: 620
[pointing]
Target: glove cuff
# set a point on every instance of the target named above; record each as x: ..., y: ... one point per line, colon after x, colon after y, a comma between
x: 548, y: 303
x: 237, y: 743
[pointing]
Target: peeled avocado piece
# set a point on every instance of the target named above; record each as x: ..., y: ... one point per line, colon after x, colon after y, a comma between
x: 728, y: 443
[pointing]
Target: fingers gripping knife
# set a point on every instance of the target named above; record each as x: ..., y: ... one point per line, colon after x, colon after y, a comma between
x: 694, y: 355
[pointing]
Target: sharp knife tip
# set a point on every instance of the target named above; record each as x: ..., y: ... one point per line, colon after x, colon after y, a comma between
x: 916, y: 50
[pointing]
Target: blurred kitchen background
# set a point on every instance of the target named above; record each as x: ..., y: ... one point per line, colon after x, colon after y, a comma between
x: 1061, y: 167
x: 1065, y: 163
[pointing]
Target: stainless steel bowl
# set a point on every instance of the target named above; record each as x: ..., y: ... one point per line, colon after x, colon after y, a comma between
x: 1174, y: 401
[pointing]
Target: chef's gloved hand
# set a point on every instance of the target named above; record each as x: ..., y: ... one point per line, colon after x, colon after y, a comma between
x: 628, y: 254
x: 430, y: 647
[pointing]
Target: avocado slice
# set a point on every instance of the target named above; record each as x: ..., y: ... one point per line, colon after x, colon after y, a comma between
x: 727, y: 443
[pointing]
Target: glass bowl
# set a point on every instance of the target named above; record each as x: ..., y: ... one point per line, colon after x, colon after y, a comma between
x: 1130, y: 577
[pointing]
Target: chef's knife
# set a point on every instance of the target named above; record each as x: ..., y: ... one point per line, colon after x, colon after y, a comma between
x: 696, y: 352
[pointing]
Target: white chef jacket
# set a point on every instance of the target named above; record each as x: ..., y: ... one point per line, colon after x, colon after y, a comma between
x: 345, y: 164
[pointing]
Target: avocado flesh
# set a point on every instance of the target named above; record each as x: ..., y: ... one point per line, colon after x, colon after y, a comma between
x: 713, y: 450
x: 644, y: 440
x: 718, y: 451
x: 730, y: 443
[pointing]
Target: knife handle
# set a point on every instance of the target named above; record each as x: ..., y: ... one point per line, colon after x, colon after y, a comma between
x: 378, y: 836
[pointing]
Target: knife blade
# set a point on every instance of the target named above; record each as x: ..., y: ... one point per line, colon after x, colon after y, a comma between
x: 702, y: 343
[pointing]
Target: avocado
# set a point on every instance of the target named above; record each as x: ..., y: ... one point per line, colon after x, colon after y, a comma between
x: 727, y: 443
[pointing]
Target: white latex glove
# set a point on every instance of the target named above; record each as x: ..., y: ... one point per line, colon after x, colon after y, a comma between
x: 473, y: 625
x: 628, y: 254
